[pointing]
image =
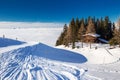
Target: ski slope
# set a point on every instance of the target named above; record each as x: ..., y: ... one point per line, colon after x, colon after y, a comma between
x: 33, y: 59
x: 102, y: 62
x: 40, y: 62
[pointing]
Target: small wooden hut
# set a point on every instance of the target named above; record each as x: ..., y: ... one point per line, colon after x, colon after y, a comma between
x: 91, y: 38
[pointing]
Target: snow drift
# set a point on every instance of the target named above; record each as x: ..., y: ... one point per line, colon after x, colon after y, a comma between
x: 48, y: 52
x: 40, y: 62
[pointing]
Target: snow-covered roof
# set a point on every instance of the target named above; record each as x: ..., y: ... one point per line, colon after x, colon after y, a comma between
x: 103, y: 40
x: 91, y: 34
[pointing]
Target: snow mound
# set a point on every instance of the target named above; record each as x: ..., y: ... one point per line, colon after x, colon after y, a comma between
x: 38, y: 62
x: 4, y: 42
x: 44, y: 51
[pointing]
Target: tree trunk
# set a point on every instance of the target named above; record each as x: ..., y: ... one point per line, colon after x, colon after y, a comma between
x: 90, y: 45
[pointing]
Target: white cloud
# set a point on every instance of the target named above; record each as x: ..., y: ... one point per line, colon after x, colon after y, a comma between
x: 29, y: 25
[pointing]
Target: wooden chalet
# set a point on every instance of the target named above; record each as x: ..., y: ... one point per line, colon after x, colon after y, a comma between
x: 91, y: 38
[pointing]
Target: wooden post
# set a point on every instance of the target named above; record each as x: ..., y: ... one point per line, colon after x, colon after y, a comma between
x: 90, y: 45
x: 82, y: 44
x: 3, y: 36
x: 82, y: 41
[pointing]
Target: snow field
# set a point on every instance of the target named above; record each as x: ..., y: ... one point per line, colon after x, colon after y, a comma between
x: 44, y: 35
x: 22, y: 67
x: 101, y: 55
x: 25, y: 62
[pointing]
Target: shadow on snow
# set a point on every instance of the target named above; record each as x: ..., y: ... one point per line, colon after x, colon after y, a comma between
x: 4, y: 42
x: 44, y: 51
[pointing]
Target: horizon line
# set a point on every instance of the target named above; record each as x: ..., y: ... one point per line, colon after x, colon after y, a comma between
x: 10, y: 24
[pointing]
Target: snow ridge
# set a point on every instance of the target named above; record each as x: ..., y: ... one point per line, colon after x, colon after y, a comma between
x: 34, y: 63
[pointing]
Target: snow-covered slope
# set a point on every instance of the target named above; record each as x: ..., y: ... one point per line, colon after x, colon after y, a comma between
x: 101, y: 55
x: 40, y: 62
x: 33, y: 61
x: 102, y: 62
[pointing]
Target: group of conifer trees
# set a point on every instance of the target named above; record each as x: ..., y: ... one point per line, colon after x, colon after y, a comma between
x: 116, y: 35
x: 79, y: 27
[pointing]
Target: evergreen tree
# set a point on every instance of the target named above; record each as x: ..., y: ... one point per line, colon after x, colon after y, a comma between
x: 98, y: 27
x: 89, y: 18
x: 65, y: 40
x: 113, y: 28
x: 116, y: 39
x: 62, y: 40
x: 101, y: 28
x: 94, y: 20
x: 91, y: 27
x: 86, y: 22
x: 69, y: 36
x: 106, y: 22
x: 106, y: 28
x: 73, y: 30
x: 82, y: 30
x: 78, y: 28
x: 77, y: 24
x: 118, y: 23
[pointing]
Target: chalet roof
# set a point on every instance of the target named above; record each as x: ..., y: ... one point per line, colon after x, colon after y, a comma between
x: 91, y: 34
x: 103, y: 40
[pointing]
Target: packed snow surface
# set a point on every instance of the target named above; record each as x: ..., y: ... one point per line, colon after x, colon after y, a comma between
x: 40, y: 62
x: 101, y: 55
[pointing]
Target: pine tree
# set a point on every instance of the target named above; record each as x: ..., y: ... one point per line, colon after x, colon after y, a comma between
x: 94, y: 20
x: 78, y: 28
x: 116, y: 39
x: 119, y: 24
x: 101, y: 28
x: 62, y: 40
x: 65, y: 40
x: 98, y: 27
x: 77, y: 24
x: 106, y: 29
x: 91, y: 27
x: 82, y: 30
x: 106, y: 22
x: 113, y: 28
x: 86, y: 22
x: 73, y: 29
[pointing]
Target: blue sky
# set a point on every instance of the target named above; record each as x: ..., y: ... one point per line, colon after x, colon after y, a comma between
x: 56, y: 10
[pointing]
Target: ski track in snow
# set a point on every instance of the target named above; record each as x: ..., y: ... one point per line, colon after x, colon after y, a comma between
x: 35, y: 68
x: 29, y: 62
x: 9, y: 48
x: 18, y: 65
